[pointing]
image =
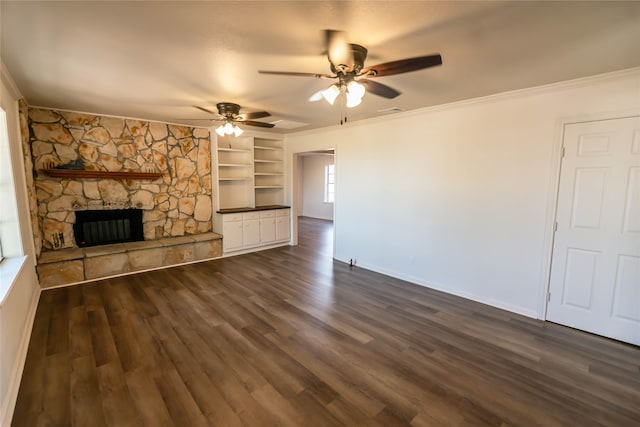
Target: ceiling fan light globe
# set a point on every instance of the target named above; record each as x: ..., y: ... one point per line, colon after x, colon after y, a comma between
x: 353, y: 101
x: 220, y: 130
x: 237, y: 131
x: 355, y: 89
x: 316, y: 96
x: 331, y: 93
x: 228, y: 128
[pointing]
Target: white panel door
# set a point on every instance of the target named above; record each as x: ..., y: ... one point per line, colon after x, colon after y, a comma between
x: 595, y: 268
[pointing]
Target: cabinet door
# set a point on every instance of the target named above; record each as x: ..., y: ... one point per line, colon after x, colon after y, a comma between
x: 232, y: 235
x: 283, y: 228
x: 267, y: 230
x: 251, y: 232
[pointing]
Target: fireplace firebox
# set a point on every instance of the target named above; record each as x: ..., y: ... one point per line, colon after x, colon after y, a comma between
x: 102, y: 227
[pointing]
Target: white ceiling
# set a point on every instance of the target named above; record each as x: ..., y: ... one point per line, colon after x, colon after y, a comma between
x: 156, y: 60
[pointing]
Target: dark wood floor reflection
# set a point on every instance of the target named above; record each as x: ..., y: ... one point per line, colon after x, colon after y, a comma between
x: 290, y: 337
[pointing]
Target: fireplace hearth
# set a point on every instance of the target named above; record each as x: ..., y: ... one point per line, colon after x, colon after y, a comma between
x: 102, y: 227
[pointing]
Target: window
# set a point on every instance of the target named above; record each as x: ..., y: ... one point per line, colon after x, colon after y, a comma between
x: 9, y: 229
x: 329, y: 184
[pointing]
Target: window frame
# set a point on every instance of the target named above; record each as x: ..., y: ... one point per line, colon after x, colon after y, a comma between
x: 329, y: 183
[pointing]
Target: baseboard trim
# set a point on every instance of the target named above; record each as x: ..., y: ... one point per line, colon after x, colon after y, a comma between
x: 8, y: 406
x: 439, y: 287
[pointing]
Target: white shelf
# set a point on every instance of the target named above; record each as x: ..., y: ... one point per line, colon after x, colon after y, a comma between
x: 233, y: 165
x: 262, y: 187
x: 262, y: 147
x: 269, y: 174
x: 243, y: 178
x: 239, y: 150
x: 267, y: 161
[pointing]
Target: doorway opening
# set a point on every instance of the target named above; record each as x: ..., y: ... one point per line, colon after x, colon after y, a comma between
x: 314, y: 187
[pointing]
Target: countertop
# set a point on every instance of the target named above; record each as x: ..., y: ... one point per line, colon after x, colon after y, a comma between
x: 257, y: 208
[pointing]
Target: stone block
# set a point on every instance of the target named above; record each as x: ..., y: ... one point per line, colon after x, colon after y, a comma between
x: 47, y: 257
x: 172, y: 241
x: 179, y: 253
x: 145, y: 244
x: 106, y: 265
x: 144, y: 259
x: 114, y: 248
x: 60, y: 273
x: 208, y: 249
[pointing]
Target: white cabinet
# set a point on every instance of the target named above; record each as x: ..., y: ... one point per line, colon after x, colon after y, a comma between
x: 250, y: 229
x: 283, y: 224
x: 267, y: 227
x: 254, y: 229
x: 232, y: 232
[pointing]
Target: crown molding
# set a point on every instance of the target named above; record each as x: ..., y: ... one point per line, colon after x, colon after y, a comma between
x: 530, y: 91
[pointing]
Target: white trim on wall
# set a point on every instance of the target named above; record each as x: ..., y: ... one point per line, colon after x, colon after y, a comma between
x: 630, y: 73
x: 23, y: 277
x: 19, y: 303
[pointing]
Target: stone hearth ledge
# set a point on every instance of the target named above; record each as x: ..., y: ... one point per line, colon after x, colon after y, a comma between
x: 69, y: 266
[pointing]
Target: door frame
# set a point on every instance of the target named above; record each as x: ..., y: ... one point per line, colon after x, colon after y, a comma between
x: 296, y: 160
x: 554, y: 189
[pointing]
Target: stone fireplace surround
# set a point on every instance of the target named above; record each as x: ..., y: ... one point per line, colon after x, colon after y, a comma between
x: 67, y: 266
x: 177, y: 206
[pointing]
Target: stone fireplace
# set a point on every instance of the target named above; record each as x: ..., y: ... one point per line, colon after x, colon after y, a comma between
x: 178, y: 203
x: 84, y: 163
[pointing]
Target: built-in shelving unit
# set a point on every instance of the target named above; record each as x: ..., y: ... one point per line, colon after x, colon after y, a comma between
x: 268, y: 156
x: 250, y: 213
x: 250, y: 172
x: 235, y: 171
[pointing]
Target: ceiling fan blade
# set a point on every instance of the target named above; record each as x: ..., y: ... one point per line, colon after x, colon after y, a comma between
x: 205, y: 110
x: 258, y: 124
x: 294, y: 73
x: 254, y: 115
x: 379, y: 89
x: 403, y: 66
x: 338, y: 49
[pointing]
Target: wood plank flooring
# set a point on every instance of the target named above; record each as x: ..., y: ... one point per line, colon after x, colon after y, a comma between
x: 289, y: 337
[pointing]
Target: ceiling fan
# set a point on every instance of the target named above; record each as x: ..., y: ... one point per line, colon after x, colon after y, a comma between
x: 347, y: 66
x: 229, y: 113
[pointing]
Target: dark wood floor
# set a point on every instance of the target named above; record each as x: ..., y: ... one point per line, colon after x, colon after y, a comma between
x: 290, y: 337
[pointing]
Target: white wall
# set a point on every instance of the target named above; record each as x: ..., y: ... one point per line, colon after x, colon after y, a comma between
x: 313, y: 204
x: 466, y: 201
x: 19, y: 290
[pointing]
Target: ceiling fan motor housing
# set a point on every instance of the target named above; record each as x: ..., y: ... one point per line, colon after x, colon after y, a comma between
x: 228, y: 109
x: 359, y: 54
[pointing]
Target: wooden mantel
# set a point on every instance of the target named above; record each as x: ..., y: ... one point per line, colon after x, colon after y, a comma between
x: 84, y: 174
